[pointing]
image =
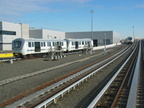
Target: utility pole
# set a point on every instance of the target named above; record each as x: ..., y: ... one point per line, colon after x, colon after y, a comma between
x: 133, y: 32
x: 105, y: 52
x: 91, y: 23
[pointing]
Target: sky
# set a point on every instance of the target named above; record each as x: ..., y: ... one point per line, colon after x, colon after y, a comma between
x: 123, y: 16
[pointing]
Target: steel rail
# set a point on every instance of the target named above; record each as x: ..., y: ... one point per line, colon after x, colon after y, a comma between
x: 8, y: 59
x: 50, y: 83
x: 97, y: 98
x: 60, y: 82
x: 9, y: 80
x: 125, y: 80
x: 133, y: 90
x: 61, y: 93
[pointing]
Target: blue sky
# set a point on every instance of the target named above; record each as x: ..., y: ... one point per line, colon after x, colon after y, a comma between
x: 74, y: 15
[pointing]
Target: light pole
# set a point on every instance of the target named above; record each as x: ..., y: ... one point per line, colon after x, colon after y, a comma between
x: 91, y: 23
x: 105, y: 52
x: 133, y: 32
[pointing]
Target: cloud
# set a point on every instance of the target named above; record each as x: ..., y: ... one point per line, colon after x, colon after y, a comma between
x: 74, y: 1
x: 80, y: 1
x: 98, y: 6
x: 139, y: 6
x: 19, y: 7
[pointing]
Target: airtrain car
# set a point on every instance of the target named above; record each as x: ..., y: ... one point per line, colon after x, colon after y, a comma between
x: 129, y: 40
x: 22, y: 47
x: 78, y: 44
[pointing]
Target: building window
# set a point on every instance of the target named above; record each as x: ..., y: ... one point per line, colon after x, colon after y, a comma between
x: 3, y: 32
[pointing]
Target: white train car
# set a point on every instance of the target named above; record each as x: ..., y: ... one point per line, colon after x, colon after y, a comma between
x: 78, y: 44
x: 129, y: 40
x: 23, y: 47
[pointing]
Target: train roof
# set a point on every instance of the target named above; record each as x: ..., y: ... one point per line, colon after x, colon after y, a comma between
x: 32, y: 39
x: 83, y: 39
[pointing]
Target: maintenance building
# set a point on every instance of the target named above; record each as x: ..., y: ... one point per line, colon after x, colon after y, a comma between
x: 99, y: 37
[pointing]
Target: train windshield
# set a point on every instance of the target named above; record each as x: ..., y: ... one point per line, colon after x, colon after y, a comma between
x: 17, y: 44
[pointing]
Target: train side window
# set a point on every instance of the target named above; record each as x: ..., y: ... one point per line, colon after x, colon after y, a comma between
x: 79, y: 43
x: 58, y: 43
x: 48, y: 43
x: 41, y: 44
x: 29, y: 44
x: 82, y: 42
x: 86, y: 42
x: 73, y: 43
x: 54, y: 43
x: 61, y: 43
x: 32, y: 44
x: 44, y: 44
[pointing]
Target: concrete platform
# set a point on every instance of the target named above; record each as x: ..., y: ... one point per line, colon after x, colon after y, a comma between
x: 6, y: 55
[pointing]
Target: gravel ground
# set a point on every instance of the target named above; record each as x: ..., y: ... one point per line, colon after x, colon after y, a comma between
x: 28, y: 66
x: 79, y: 97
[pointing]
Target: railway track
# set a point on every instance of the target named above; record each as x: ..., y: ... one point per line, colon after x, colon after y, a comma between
x: 98, y: 65
x: 125, y: 89
x: 135, y: 98
x: 71, y: 82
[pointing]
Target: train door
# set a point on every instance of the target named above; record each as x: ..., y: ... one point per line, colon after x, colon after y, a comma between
x: 37, y: 47
x: 95, y: 43
x: 76, y: 45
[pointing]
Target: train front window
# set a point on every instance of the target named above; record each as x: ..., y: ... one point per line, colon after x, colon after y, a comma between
x: 17, y: 44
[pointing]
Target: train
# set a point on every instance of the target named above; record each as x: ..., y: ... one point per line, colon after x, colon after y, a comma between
x: 128, y: 40
x: 25, y: 47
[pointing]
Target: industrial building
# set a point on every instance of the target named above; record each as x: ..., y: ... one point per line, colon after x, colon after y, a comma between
x: 98, y: 37
x: 46, y: 34
x: 11, y: 31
